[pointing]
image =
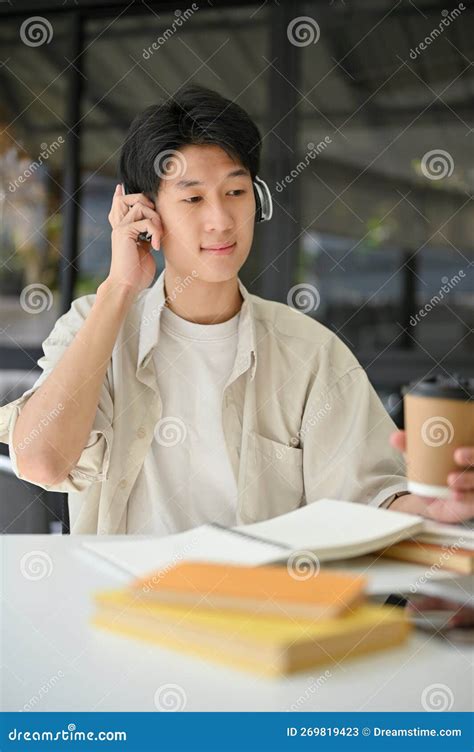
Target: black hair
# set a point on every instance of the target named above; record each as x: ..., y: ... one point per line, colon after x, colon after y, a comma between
x: 194, y: 115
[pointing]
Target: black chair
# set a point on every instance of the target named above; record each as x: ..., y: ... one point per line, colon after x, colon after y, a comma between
x: 24, y: 507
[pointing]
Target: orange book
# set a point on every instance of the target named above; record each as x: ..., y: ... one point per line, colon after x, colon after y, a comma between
x: 264, y: 589
x: 446, y: 557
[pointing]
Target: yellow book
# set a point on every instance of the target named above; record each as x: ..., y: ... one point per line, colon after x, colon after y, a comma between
x: 265, y: 644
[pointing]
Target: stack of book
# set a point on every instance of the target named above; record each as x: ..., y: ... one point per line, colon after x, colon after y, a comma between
x: 240, y: 601
x: 442, y: 546
x: 273, y: 620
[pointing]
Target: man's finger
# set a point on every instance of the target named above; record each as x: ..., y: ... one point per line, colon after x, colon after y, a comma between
x: 452, y: 510
x: 398, y: 440
x: 464, y: 456
x: 462, y: 481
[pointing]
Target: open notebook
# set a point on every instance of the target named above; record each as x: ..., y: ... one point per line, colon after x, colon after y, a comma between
x: 331, y: 529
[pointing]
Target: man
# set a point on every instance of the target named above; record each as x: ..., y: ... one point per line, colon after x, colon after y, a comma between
x: 162, y: 408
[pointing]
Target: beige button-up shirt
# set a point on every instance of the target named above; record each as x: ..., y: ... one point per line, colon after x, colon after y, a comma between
x: 301, y: 420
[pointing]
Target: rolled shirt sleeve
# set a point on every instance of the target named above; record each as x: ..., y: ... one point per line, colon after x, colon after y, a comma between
x: 93, y: 464
x: 346, y: 439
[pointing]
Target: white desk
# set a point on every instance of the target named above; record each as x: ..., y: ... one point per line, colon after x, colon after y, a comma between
x: 53, y: 660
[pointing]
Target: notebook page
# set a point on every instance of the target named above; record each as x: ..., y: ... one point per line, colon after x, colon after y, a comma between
x: 137, y: 556
x: 333, y: 528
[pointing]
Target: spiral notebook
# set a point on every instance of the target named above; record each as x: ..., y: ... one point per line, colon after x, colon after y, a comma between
x: 327, y: 528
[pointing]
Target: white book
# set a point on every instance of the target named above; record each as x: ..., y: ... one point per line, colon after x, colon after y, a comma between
x: 330, y: 529
x: 448, y: 535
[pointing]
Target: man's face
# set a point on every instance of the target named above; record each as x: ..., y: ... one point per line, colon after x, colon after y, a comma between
x: 217, y: 209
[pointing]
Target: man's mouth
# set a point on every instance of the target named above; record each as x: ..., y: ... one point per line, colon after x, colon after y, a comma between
x: 222, y: 248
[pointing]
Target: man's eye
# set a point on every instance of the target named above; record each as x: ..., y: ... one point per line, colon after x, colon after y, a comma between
x: 195, y: 199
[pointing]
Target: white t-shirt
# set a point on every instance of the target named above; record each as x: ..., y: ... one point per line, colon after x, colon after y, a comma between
x: 188, y: 459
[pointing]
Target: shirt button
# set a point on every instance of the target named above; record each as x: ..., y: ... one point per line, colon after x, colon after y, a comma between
x: 141, y: 433
x: 123, y: 483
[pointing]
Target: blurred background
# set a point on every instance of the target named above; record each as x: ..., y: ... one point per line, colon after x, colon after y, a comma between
x: 366, y: 112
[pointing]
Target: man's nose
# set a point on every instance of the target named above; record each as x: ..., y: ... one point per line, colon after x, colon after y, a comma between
x: 218, y: 217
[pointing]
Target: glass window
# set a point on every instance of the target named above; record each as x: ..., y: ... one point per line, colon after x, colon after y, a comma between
x: 33, y: 80
x: 142, y: 60
x: 385, y: 174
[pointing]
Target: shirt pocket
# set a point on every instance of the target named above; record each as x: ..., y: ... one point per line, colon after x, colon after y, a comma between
x: 273, y: 478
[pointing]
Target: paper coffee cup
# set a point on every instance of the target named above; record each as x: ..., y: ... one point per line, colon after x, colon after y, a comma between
x: 439, y: 418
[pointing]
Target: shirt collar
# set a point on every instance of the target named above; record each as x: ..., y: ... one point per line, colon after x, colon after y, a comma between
x: 150, y: 326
